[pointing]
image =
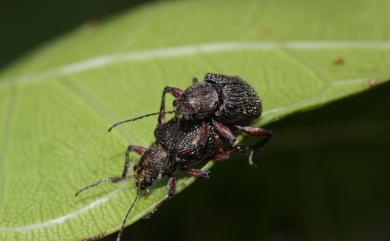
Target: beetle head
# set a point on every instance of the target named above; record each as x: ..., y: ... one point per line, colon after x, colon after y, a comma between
x: 151, y: 166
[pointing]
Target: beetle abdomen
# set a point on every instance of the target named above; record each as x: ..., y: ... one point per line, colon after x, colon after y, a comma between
x: 240, y: 103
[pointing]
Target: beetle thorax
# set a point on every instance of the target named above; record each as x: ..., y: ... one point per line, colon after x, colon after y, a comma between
x: 198, y: 101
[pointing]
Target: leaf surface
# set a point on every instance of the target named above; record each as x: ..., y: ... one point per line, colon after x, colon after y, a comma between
x: 56, y: 103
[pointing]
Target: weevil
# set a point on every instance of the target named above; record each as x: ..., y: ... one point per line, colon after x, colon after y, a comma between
x: 178, y: 145
x: 227, y: 102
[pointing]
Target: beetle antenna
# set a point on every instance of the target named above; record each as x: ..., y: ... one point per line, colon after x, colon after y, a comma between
x: 109, y: 179
x: 137, y: 118
x: 118, y: 238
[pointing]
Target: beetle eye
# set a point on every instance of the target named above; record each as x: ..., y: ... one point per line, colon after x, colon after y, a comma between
x: 148, y: 181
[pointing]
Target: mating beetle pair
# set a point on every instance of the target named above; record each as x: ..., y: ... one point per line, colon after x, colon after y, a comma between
x: 227, y: 102
x: 206, y: 115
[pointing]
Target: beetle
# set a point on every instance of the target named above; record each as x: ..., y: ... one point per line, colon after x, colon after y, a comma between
x: 178, y: 144
x: 228, y: 102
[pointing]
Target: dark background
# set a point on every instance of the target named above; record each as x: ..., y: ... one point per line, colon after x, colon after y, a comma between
x: 324, y: 175
x: 26, y: 24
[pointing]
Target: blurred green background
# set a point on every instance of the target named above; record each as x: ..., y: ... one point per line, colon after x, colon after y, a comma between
x: 324, y: 176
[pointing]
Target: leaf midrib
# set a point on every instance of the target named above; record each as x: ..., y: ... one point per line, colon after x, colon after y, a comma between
x: 109, y: 59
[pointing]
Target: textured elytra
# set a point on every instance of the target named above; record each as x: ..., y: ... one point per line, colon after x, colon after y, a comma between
x: 241, y: 105
x: 228, y: 99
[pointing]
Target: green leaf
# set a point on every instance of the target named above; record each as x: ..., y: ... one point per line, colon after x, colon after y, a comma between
x: 56, y: 103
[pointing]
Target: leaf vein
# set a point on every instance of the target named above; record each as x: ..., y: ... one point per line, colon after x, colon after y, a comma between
x: 190, y: 50
x: 94, y: 105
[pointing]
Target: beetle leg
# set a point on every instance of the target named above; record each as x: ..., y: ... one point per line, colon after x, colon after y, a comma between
x: 224, y: 131
x: 197, y: 172
x: 225, y: 154
x: 171, y: 186
x: 221, y: 156
x: 254, y: 131
x: 140, y: 150
x: 240, y: 149
x: 203, y: 134
x: 173, y: 91
x: 137, y: 149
